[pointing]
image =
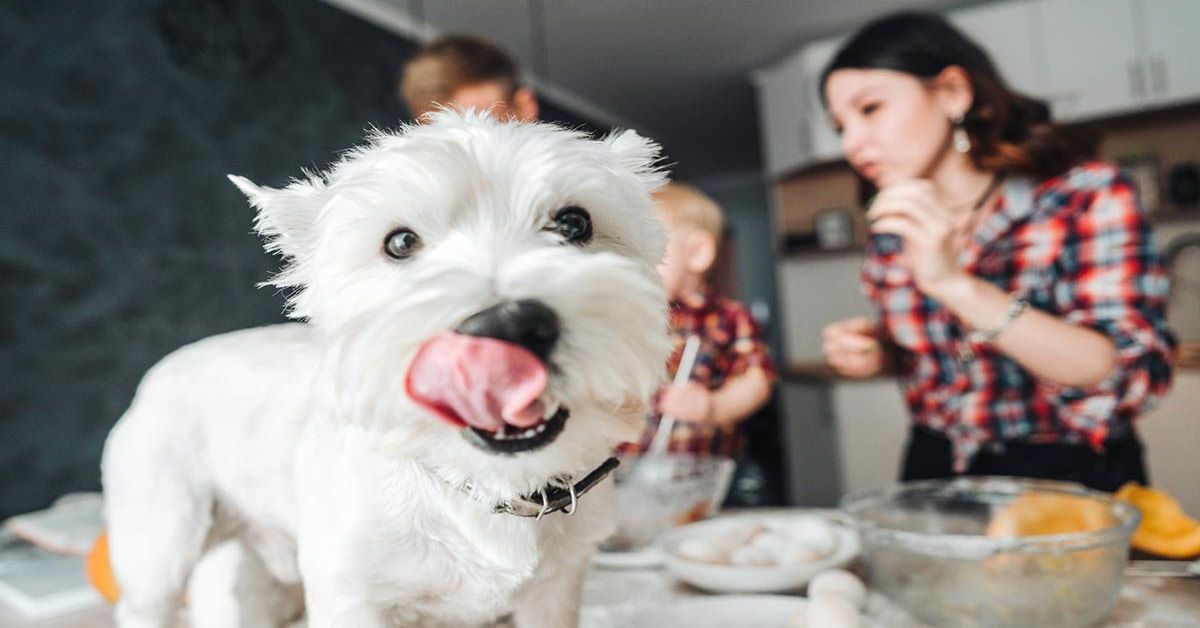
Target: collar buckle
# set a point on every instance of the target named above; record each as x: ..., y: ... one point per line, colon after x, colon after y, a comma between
x: 553, y: 498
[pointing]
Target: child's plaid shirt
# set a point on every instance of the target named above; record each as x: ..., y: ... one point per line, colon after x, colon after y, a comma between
x: 730, y: 345
x: 1076, y: 246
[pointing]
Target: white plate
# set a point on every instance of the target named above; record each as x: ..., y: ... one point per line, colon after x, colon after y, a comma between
x: 745, y: 579
x: 725, y: 611
x: 645, y: 558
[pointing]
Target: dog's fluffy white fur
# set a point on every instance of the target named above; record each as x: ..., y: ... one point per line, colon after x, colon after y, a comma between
x: 298, y: 443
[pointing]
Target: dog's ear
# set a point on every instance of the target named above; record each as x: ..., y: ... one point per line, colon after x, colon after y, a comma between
x: 640, y: 156
x: 286, y: 216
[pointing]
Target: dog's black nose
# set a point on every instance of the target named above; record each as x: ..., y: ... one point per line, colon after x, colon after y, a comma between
x: 526, y: 323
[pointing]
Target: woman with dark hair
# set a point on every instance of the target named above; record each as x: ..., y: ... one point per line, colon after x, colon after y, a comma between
x: 1020, y: 296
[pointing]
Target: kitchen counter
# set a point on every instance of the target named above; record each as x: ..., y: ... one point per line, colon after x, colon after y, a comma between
x: 611, y: 597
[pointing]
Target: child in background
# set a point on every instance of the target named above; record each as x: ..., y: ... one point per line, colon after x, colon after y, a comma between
x: 733, y: 374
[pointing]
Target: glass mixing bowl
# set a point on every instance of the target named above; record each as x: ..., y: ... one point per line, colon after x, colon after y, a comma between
x: 657, y: 493
x: 945, y: 550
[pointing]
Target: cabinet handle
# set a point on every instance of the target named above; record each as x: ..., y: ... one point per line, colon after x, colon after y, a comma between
x: 1137, y: 79
x: 1158, y: 75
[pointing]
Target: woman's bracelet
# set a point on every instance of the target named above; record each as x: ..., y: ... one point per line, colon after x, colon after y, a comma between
x: 966, y: 354
x: 986, y: 336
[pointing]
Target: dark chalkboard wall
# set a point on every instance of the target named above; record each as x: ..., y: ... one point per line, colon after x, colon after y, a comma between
x: 120, y: 238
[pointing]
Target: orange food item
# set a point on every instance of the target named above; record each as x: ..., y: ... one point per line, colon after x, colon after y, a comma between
x: 1165, y: 529
x: 693, y: 514
x: 1038, y: 514
x: 99, y: 571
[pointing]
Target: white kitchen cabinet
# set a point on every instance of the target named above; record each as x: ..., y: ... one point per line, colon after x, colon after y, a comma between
x: 814, y: 292
x: 825, y: 144
x: 1006, y: 31
x: 1087, y: 58
x: 809, y: 436
x: 1169, y: 434
x: 1171, y: 55
x: 781, y: 115
x: 1106, y: 57
x: 872, y: 423
x: 1090, y: 57
x: 795, y: 128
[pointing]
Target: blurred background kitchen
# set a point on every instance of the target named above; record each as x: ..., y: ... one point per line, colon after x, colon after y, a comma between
x: 121, y: 240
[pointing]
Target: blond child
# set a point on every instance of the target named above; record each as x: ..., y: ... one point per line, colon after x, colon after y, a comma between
x: 733, y: 373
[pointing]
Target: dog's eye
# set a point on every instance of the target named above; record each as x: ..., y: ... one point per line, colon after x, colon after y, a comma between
x: 574, y: 224
x: 401, y: 243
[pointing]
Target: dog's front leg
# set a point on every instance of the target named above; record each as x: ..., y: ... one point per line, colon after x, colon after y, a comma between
x: 551, y: 599
x: 330, y: 608
x: 335, y: 595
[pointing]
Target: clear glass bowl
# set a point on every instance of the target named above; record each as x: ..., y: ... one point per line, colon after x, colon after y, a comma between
x: 657, y: 493
x: 925, y: 546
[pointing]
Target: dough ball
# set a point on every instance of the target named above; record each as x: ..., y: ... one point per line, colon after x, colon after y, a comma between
x: 815, y: 533
x: 702, y: 551
x: 838, y: 583
x: 831, y: 611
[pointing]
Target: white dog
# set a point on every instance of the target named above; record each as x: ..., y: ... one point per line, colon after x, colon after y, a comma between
x: 484, y: 324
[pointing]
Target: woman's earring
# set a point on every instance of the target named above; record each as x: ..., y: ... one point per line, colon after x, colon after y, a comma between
x: 962, y: 141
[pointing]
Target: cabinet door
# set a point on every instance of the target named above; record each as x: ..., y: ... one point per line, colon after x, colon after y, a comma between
x: 1006, y: 31
x: 810, y: 446
x: 826, y: 145
x: 785, y: 140
x: 1172, y: 45
x: 1091, y: 65
x: 872, y: 424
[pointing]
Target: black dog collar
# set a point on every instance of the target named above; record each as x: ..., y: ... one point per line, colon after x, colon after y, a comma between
x: 556, y: 498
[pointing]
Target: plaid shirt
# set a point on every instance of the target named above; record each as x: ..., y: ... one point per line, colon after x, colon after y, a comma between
x: 730, y: 345
x: 1076, y: 246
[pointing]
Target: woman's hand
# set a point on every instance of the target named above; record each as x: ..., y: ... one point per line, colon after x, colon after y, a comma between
x: 690, y: 402
x: 931, y: 233
x: 852, y: 348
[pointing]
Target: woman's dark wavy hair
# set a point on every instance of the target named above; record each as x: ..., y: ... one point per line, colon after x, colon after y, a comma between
x: 1010, y: 132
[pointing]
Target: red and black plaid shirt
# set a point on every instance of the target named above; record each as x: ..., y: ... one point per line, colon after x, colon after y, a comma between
x: 730, y: 345
x: 1076, y: 246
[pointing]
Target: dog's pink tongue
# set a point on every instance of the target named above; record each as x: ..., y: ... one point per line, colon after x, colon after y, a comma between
x: 482, y: 382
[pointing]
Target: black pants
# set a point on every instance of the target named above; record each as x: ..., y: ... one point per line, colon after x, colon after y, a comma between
x: 929, y: 457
